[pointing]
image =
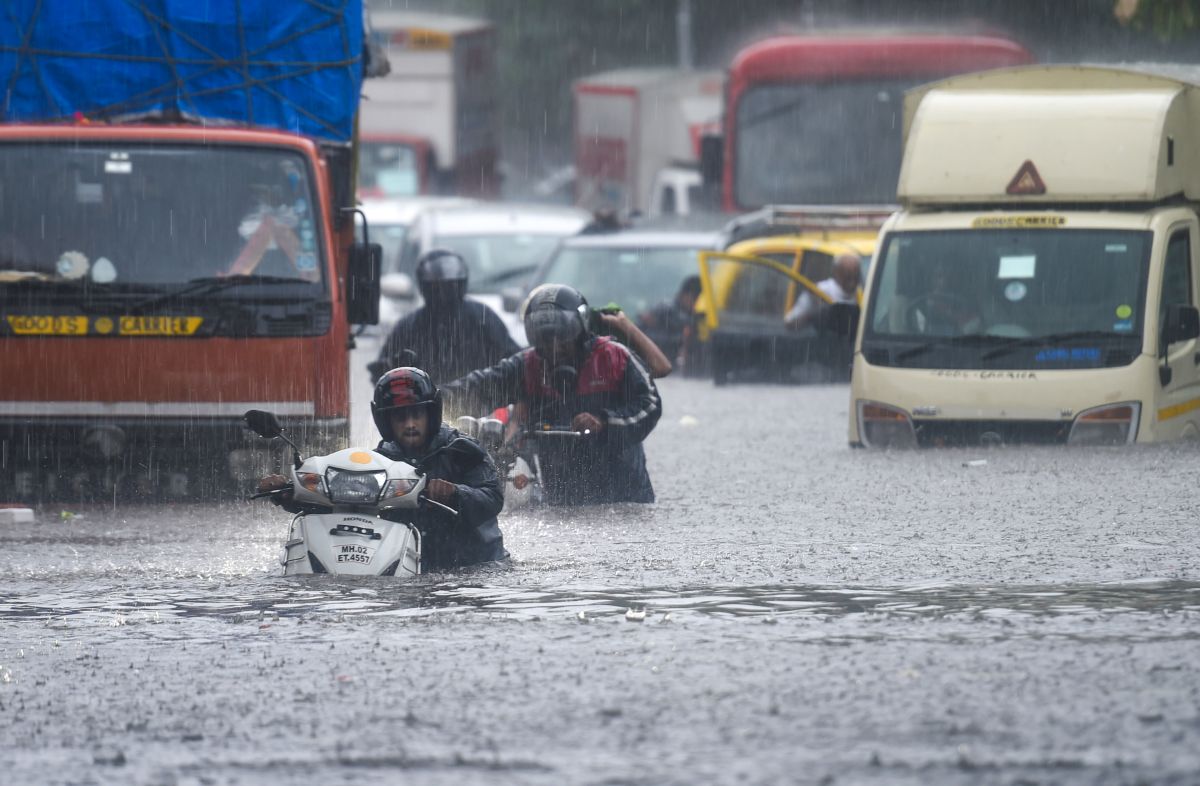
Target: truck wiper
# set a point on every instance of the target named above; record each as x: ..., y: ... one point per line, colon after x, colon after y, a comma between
x: 1020, y: 342
x: 206, y: 285
x: 969, y: 340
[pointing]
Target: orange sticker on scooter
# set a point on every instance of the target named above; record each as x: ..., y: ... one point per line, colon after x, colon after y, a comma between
x: 360, y: 457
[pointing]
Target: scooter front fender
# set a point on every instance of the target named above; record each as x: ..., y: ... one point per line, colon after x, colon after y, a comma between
x: 351, y: 544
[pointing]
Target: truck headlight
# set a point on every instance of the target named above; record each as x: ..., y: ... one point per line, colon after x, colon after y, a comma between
x: 1112, y: 424
x: 881, y: 426
x: 354, y: 488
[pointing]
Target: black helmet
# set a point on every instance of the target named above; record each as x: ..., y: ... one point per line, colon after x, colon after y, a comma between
x: 554, y: 312
x: 404, y: 387
x: 442, y: 276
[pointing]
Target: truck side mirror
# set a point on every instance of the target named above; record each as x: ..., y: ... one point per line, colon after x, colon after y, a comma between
x: 263, y: 423
x: 712, y: 152
x: 1182, y: 323
x: 362, y: 284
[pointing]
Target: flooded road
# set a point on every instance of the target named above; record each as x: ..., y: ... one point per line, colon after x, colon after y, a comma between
x: 789, y: 610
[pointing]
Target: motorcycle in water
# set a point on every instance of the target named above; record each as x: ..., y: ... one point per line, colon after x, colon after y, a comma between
x: 515, y: 467
x: 355, y: 510
x: 518, y: 461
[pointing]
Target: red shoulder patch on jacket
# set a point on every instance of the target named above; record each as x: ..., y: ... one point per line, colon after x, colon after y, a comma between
x: 604, y: 369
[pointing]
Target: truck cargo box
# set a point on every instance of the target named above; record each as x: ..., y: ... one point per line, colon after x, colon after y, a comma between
x: 1051, y: 134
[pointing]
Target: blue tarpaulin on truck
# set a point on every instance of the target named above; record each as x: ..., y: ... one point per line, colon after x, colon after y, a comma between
x: 294, y: 65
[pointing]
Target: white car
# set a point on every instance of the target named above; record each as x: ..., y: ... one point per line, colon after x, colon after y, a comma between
x: 503, y: 244
x: 387, y: 224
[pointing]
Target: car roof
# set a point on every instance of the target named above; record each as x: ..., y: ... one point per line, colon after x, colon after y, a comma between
x: 496, y: 218
x: 405, y: 210
x: 646, y: 239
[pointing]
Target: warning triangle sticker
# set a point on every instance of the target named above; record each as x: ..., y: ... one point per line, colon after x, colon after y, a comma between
x: 1026, y: 181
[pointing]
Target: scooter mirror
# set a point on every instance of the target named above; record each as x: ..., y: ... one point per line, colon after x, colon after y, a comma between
x: 491, y: 432
x: 263, y: 423
x: 467, y: 425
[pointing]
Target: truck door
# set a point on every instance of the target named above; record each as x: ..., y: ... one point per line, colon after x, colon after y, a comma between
x: 1178, y: 412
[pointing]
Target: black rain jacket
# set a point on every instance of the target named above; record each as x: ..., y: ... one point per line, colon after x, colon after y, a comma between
x: 474, y: 535
x: 448, y: 342
x: 610, y: 383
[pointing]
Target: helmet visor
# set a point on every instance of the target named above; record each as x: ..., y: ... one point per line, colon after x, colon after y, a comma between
x: 547, y: 326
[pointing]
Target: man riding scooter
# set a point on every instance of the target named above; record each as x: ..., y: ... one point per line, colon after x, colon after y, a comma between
x: 571, y: 379
x: 407, y: 408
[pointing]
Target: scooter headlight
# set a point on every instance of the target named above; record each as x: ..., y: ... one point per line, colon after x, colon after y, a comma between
x: 398, y: 487
x: 354, y: 488
x: 1114, y: 424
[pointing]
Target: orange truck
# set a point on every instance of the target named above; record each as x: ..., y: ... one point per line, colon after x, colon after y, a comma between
x: 177, y: 246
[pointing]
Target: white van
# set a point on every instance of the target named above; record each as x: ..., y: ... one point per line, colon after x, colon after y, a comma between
x: 1039, y: 284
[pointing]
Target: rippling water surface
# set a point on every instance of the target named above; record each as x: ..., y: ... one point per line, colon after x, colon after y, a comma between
x: 790, y: 610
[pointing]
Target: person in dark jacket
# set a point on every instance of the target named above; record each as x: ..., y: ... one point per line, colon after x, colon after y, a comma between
x: 407, y: 408
x: 671, y: 324
x: 572, y: 379
x: 449, y: 335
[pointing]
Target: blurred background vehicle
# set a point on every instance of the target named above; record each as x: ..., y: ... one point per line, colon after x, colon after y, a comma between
x: 635, y: 269
x: 502, y: 243
x: 388, y: 221
x: 637, y: 138
x: 816, y: 118
x: 777, y: 255
x: 430, y: 125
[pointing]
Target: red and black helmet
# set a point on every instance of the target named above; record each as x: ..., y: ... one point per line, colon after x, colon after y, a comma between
x: 404, y: 387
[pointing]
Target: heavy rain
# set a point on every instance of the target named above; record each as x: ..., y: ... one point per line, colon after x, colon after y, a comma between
x: 819, y: 383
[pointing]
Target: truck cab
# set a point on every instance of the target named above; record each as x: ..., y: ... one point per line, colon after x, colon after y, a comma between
x: 1039, y: 284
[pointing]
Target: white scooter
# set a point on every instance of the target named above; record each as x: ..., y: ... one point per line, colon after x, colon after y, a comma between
x: 338, y: 500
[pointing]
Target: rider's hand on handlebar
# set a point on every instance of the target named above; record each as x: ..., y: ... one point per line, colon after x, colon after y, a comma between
x: 586, y: 421
x: 271, y: 483
x: 439, y: 490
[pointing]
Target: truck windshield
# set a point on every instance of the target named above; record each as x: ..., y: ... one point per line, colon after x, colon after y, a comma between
x: 387, y: 170
x: 136, y: 216
x: 1022, y: 298
x: 826, y: 143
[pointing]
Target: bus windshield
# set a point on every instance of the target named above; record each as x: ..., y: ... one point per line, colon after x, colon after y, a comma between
x: 1022, y: 298
x: 162, y: 215
x: 824, y: 143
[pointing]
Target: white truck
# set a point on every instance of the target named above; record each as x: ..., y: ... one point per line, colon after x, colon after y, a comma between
x: 637, y: 138
x: 430, y: 125
x: 1039, y: 283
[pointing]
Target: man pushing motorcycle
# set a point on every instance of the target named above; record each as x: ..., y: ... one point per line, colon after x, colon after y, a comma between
x: 407, y: 408
x: 570, y: 380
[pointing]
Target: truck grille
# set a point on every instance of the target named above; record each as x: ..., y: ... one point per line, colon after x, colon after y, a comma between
x: 968, y: 433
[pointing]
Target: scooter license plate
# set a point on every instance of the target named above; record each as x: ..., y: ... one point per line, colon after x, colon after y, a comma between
x: 354, y: 553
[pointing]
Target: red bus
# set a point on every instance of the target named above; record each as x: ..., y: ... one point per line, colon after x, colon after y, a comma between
x: 817, y: 119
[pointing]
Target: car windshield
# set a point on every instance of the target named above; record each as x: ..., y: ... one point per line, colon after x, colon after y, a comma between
x: 1025, y: 298
x: 636, y: 279
x: 497, y: 262
x: 831, y: 143
x: 388, y: 170
x: 158, y: 216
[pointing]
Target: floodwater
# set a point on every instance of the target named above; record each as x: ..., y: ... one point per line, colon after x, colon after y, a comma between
x: 789, y: 611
